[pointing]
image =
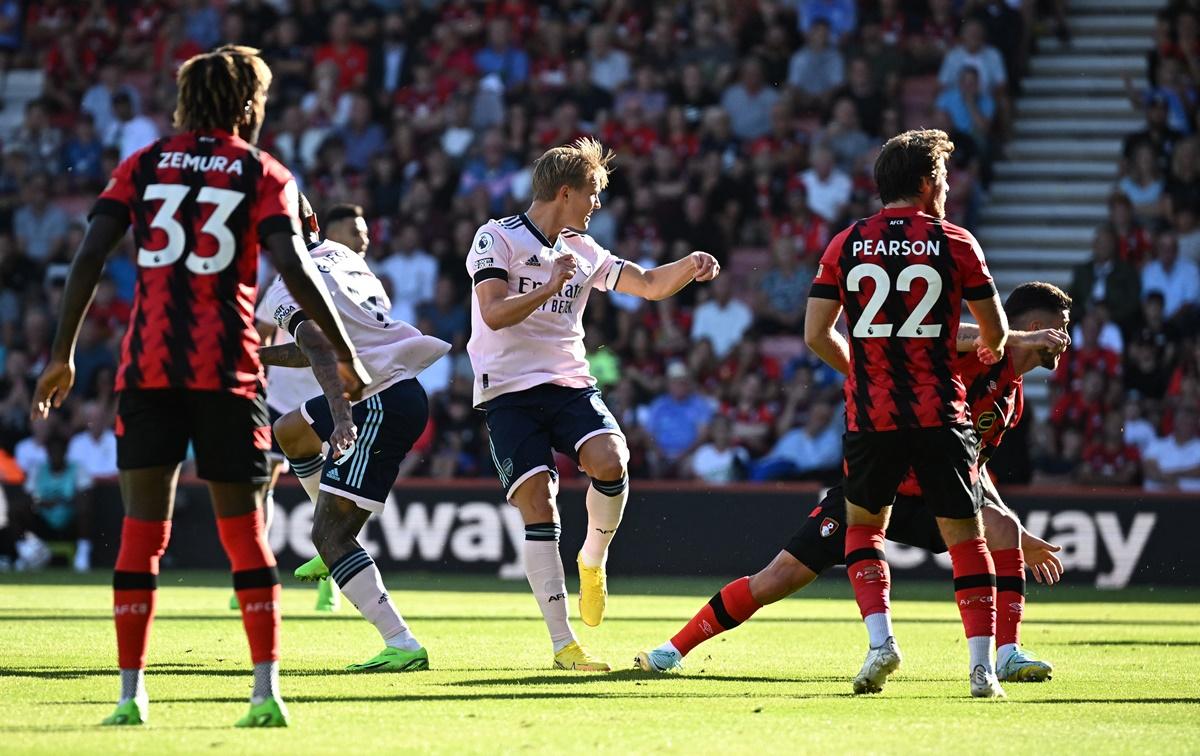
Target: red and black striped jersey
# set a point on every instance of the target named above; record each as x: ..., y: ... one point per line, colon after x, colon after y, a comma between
x: 996, y: 395
x: 901, y: 276
x: 199, y: 203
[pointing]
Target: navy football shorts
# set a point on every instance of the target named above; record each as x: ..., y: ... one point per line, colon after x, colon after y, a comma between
x: 389, y: 423
x: 525, y: 427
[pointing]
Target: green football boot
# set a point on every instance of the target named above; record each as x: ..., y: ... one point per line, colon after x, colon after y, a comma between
x: 312, y: 570
x: 394, y: 660
x: 270, y: 713
x: 132, y: 712
x: 329, y: 598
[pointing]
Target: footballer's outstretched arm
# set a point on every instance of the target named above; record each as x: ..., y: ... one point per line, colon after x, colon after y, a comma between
x: 1045, y: 338
x: 666, y: 280
x: 993, y: 324
x: 301, y: 278
x: 101, y: 238
x: 821, y: 334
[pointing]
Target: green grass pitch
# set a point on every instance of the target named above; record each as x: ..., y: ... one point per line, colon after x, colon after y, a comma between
x: 1126, y: 676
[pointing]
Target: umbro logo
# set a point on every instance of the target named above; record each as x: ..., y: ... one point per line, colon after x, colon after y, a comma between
x: 534, y: 261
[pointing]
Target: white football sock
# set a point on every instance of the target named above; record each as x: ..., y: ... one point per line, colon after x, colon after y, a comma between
x: 308, y: 471
x: 669, y: 647
x: 360, y: 581
x: 133, y: 685
x: 1005, y: 651
x: 980, y: 649
x: 605, y: 505
x: 879, y: 628
x: 266, y: 681
x: 544, y: 569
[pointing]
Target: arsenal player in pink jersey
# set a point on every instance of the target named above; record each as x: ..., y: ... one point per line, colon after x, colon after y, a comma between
x: 532, y: 276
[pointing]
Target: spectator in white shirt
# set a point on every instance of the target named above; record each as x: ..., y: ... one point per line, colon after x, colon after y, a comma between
x: 1177, y: 279
x: 828, y: 188
x: 98, y: 99
x: 973, y: 50
x: 749, y: 102
x: 722, y: 319
x: 718, y: 461
x: 1172, y: 463
x: 610, y: 66
x: 129, y: 132
x: 30, y: 453
x: 95, y: 449
x: 413, y: 274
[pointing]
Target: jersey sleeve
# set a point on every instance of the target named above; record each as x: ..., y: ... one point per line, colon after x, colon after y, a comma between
x: 280, y: 307
x: 264, y: 312
x: 608, y: 265
x: 490, y: 255
x: 977, y: 279
x: 120, y: 195
x: 277, y: 208
x: 825, y: 284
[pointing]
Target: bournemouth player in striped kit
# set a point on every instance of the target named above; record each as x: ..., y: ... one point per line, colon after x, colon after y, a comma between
x: 200, y: 204
x: 996, y: 395
x: 901, y: 276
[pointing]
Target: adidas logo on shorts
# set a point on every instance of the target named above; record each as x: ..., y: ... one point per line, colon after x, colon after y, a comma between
x: 534, y: 261
x: 333, y: 474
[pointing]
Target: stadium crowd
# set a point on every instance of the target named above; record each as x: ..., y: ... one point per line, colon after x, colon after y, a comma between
x: 1125, y: 400
x: 744, y: 129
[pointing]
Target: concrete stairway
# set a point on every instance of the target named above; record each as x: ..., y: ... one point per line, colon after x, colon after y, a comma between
x: 1050, y: 192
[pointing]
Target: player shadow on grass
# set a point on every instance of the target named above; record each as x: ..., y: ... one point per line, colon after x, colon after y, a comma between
x: 324, y: 619
x: 166, y: 670
x: 636, y: 675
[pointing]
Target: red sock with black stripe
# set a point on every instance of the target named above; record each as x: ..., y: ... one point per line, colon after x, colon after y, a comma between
x: 728, y: 608
x: 867, y: 568
x: 135, y: 587
x: 975, y: 593
x: 255, y: 580
x: 1010, y: 599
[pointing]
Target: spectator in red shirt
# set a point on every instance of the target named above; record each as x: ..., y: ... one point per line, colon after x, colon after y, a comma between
x: 1133, y: 243
x: 1110, y: 461
x: 752, y: 418
x: 1082, y: 410
x: 351, y: 58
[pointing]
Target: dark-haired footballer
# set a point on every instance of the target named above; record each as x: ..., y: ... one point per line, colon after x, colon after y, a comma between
x: 995, y: 393
x: 201, y: 203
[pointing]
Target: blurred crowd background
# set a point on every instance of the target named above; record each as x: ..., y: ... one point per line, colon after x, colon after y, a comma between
x: 747, y: 129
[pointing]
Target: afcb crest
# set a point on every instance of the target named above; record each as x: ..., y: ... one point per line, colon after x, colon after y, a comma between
x: 829, y: 526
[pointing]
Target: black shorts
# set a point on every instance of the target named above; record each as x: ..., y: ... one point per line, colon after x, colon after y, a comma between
x: 820, y: 543
x: 389, y: 423
x: 945, y: 461
x: 230, y: 434
x: 525, y: 427
x: 274, y: 415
